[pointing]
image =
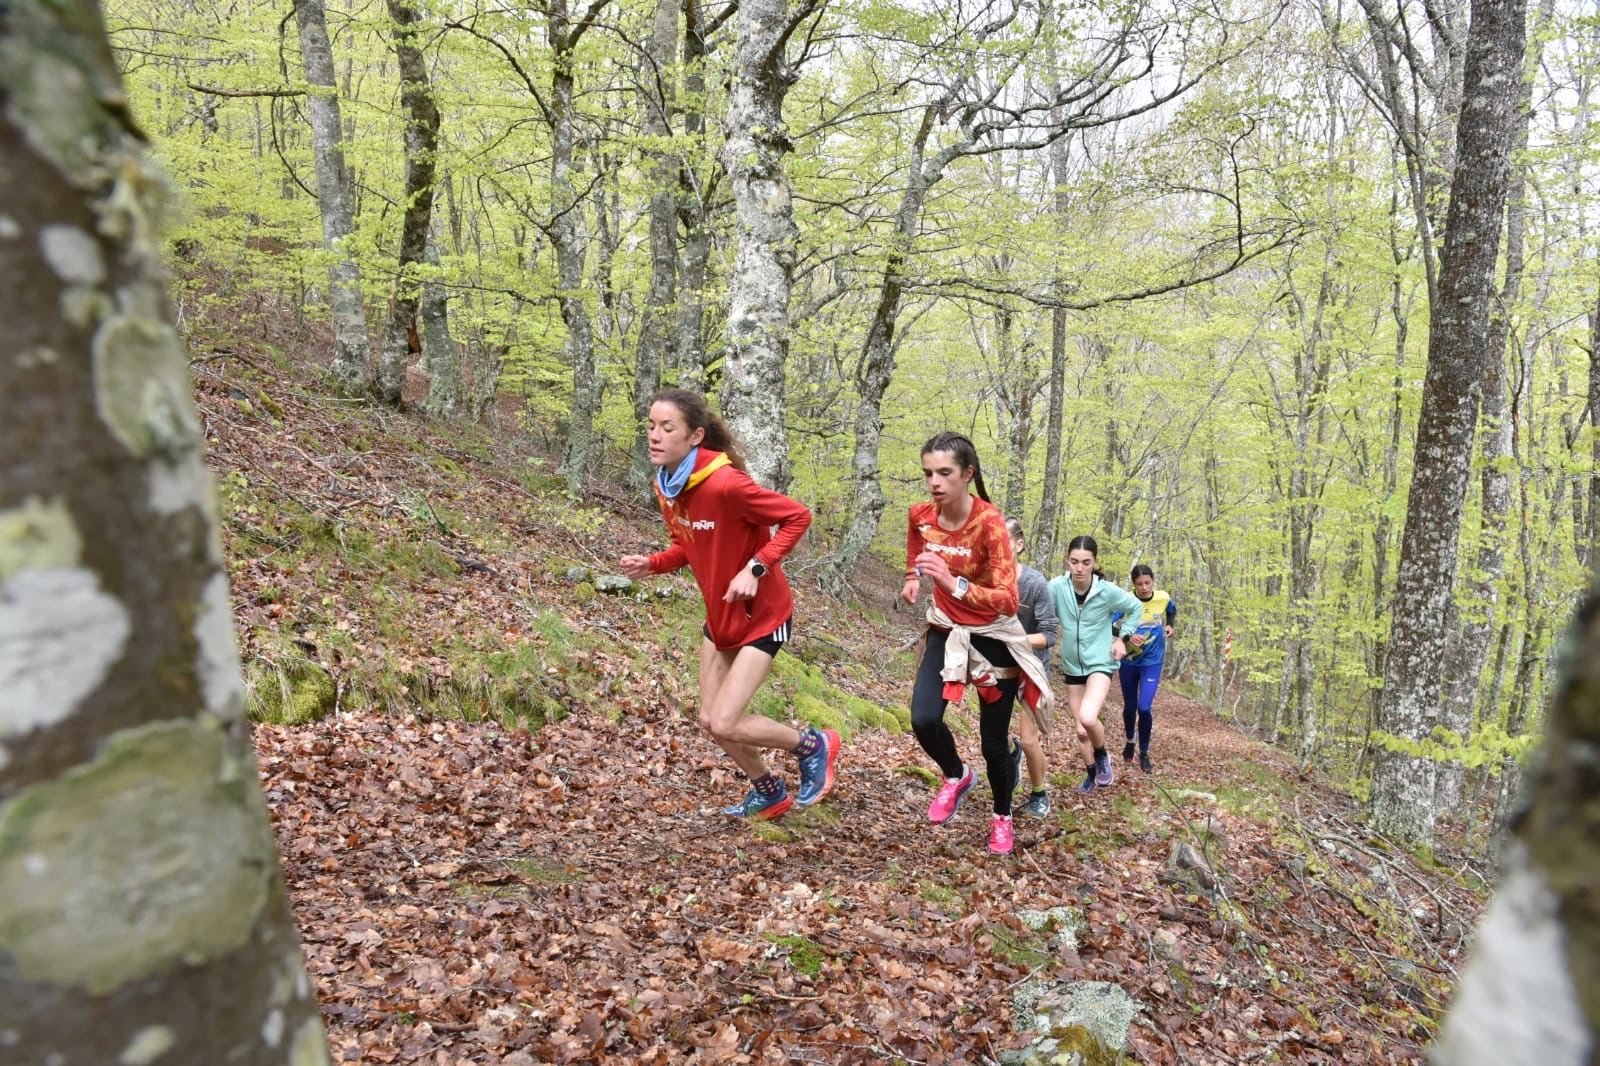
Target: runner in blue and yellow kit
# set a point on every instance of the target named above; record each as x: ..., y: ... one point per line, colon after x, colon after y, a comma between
x: 1141, y: 667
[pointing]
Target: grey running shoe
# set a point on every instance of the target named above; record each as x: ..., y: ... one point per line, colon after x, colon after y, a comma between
x: 1038, y: 805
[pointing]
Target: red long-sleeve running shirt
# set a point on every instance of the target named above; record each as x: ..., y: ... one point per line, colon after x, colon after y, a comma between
x: 979, y: 551
x: 718, y: 524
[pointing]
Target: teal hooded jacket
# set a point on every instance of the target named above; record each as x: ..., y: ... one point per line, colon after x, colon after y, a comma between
x: 1085, y: 642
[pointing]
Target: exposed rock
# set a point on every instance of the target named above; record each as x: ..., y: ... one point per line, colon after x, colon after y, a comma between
x: 613, y: 584
x: 578, y: 573
x: 1064, y: 922
x: 1083, y: 1023
x: 1167, y: 945
x: 1187, y: 867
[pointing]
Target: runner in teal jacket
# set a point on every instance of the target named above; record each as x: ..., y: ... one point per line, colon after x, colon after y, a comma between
x: 1085, y: 601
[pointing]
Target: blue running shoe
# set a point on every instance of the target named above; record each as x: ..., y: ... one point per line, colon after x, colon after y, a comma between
x: 1087, y: 787
x: 816, y: 769
x: 755, y: 805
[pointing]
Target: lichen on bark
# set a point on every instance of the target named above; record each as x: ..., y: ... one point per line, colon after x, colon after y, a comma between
x: 155, y: 853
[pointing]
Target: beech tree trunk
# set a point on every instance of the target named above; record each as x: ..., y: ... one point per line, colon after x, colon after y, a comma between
x: 438, y: 350
x: 696, y: 190
x: 1472, y: 629
x: 876, y: 367
x: 421, y: 149
x: 755, y: 143
x: 571, y: 243
x: 1043, y: 542
x: 1589, y: 552
x: 351, y: 364
x: 1530, y: 995
x: 142, y: 915
x: 1402, y: 783
x: 654, y: 351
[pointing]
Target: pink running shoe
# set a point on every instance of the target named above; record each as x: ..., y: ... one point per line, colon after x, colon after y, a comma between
x: 948, y: 798
x: 1000, y: 835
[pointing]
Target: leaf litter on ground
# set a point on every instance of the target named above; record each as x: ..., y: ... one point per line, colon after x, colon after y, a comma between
x: 470, y: 891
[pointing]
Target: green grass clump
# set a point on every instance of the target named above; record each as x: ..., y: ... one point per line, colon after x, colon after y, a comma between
x: 288, y: 690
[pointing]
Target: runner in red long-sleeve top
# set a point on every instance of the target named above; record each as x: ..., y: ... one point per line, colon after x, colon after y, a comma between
x: 721, y: 523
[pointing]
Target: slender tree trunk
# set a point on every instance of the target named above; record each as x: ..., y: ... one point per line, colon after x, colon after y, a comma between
x: 421, y: 149
x: 1589, y: 551
x: 1464, y: 668
x: 1048, y: 520
x: 568, y: 238
x: 1382, y: 526
x: 141, y: 907
x: 654, y: 352
x: 1017, y: 384
x: 1304, y: 571
x: 875, y: 369
x: 1402, y: 783
x: 697, y: 190
x: 438, y: 350
x: 351, y: 366
x: 755, y: 143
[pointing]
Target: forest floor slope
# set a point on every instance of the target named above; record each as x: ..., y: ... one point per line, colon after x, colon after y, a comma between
x: 503, y: 840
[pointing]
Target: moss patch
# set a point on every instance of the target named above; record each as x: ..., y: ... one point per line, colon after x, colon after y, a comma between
x: 288, y: 691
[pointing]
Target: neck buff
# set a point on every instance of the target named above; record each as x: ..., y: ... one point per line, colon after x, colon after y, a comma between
x: 672, y: 484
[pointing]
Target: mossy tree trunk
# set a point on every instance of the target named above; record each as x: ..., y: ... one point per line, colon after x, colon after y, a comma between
x: 654, y: 350
x: 1408, y: 709
x: 421, y: 151
x: 142, y: 915
x: 350, y: 368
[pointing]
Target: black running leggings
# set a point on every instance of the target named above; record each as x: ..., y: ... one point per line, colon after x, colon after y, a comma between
x: 994, y: 719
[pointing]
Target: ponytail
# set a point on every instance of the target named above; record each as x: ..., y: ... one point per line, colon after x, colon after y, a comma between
x: 697, y: 414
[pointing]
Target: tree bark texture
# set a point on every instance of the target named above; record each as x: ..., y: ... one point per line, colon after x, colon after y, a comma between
x: 1402, y: 783
x: 421, y: 152
x: 1474, y: 627
x: 1305, y: 573
x: 656, y: 336
x: 1530, y: 995
x: 350, y: 366
x: 1589, y: 552
x: 438, y: 350
x: 875, y: 369
x: 1043, y: 541
x: 570, y: 241
x: 142, y: 915
x: 755, y: 143
x: 696, y: 189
